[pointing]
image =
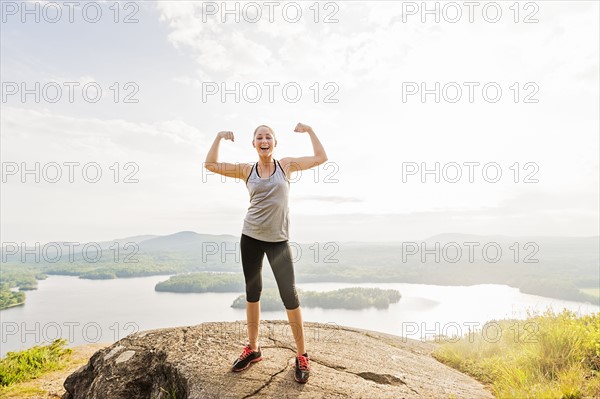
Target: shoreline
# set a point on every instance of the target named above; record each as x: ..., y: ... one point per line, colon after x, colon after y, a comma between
x: 299, y: 281
x: 13, y: 305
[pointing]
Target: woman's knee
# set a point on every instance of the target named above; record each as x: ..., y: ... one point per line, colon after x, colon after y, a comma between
x: 290, y: 299
x: 295, y: 306
x: 252, y: 294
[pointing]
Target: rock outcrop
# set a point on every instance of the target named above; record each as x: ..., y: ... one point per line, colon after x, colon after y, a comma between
x: 194, y: 362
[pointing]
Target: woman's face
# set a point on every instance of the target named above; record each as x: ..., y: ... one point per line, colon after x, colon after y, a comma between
x: 264, y: 142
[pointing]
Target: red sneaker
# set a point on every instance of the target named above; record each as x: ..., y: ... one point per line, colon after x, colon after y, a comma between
x: 302, y: 368
x: 248, y: 356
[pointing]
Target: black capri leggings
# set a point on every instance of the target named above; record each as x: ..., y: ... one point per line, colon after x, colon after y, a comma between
x: 279, y: 256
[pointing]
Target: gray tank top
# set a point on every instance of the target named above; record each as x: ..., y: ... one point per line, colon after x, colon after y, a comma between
x: 268, y: 214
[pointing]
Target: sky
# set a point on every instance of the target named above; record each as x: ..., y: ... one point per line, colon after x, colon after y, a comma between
x: 113, y: 106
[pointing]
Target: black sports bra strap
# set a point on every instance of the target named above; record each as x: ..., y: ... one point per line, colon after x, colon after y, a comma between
x: 250, y: 174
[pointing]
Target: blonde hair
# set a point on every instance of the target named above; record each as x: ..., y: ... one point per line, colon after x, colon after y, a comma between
x: 268, y: 127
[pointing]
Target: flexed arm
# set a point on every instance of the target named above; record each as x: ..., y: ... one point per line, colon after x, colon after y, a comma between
x: 302, y: 163
x: 235, y: 170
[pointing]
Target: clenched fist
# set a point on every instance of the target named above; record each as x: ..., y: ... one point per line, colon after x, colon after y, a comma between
x: 302, y: 128
x: 227, y: 135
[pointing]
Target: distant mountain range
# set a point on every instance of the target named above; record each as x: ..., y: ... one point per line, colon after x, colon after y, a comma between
x: 190, y: 241
x: 182, y: 241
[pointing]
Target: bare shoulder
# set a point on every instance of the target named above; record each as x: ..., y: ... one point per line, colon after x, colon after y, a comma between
x: 245, y: 170
x: 286, y: 165
x: 284, y: 162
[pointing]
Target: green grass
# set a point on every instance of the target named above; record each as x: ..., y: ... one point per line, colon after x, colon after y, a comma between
x: 171, y: 392
x: 17, y: 391
x: 31, y: 363
x: 546, y: 356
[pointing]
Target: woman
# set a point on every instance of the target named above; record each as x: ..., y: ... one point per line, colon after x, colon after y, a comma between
x: 266, y: 231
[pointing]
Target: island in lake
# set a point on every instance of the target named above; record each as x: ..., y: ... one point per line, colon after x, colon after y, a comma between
x: 353, y: 298
x: 346, y: 298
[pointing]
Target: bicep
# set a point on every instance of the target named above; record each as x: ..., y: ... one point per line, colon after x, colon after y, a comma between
x: 235, y: 170
x: 300, y: 163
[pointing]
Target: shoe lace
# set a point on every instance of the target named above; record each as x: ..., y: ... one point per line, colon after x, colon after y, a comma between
x: 303, y: 362
x: 247, y: 351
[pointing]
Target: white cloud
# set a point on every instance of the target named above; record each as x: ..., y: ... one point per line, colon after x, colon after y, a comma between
x: 355, y: 49
x: 90, y: 136
x: 369, y: 54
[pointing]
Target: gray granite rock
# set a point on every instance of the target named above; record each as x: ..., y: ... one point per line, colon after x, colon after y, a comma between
x: 194, y: 362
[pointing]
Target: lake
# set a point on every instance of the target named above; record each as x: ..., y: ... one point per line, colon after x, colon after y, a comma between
x: 84, y: 311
